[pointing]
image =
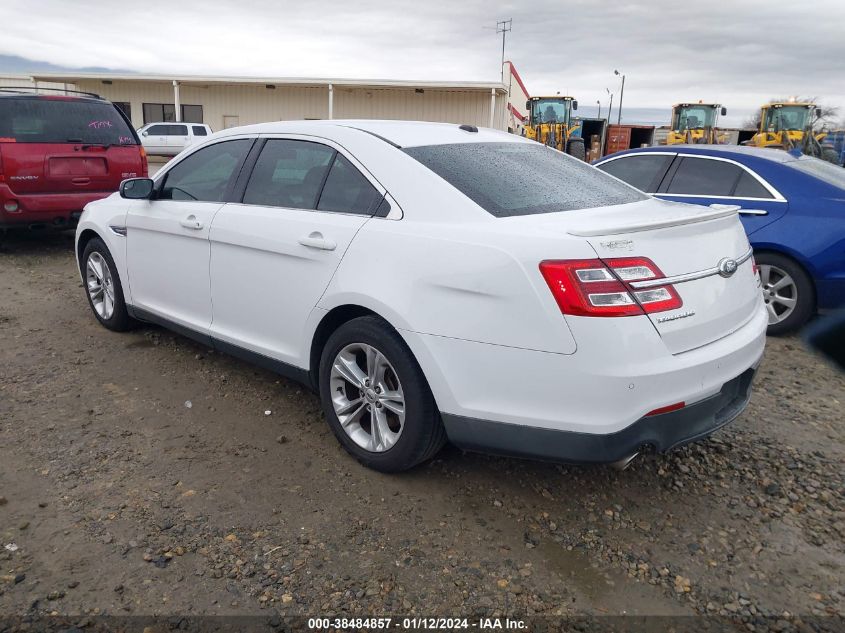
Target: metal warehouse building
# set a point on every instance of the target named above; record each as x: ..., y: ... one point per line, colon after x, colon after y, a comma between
x: 223, y: 102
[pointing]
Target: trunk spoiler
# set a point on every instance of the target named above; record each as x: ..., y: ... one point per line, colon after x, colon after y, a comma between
x: 614, y: 225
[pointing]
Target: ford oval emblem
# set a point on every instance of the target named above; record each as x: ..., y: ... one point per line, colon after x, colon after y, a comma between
x: 727, y: 267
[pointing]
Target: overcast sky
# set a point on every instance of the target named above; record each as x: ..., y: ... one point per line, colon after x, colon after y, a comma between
x: 739, y: 53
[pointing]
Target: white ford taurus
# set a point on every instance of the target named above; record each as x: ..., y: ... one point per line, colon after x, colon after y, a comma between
x: 435, y: 281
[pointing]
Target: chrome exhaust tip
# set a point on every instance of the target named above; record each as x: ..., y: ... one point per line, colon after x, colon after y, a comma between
x: 623, y: 463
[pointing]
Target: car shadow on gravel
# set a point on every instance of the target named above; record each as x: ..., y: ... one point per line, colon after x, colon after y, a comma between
x: 41, y: 242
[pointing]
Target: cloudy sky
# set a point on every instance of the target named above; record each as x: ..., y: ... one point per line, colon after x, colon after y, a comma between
x: 739, y: 53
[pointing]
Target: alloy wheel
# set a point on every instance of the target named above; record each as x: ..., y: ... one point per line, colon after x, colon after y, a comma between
x: 367, y: 397
x: 780, y: 292
x: 100, y: 285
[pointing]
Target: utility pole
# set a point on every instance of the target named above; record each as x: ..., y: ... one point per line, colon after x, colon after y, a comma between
x: 503, y: 26
x: 598, y: 103
x: 621, y: 94
x: 610, y: 108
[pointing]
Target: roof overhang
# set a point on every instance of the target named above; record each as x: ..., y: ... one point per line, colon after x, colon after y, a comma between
x: 208, y: 80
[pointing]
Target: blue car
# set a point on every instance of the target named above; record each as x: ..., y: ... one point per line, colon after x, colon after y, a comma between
x: 792, y: 207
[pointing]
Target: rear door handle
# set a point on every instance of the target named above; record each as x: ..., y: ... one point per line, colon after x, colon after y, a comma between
x: 191, y: 222
x: 753, y: 212
x: 316, y: 240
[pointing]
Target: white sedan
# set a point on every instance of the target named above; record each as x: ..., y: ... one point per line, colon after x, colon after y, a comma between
x: 434, y: 281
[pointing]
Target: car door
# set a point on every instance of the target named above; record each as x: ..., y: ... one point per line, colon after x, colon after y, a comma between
x: 708, y: 180
x: 275, y: 250
x: 167, y: 247
x: 154, y: 138
x: 177, y: 137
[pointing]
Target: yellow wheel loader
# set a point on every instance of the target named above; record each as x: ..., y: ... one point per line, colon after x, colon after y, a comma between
x: 550, y: 122
x: 789, y: 125
x: 696, y: 123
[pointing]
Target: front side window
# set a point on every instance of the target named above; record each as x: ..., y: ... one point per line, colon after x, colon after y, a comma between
x: 704, y: 177
x: 508, y: 179
x: 643, y: 171
x: 289, y: 174
x: 205, y: 175
x: 163, y: 130
x: 347, y: 191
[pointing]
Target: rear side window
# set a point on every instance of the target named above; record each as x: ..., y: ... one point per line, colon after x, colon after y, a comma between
x: 289, y: 174
x: 644, y: 171
x: 509, y: 179
x: 704, y: 177
x: 205, y: 175
x: 178, y: 130
x: 199, y: 130
x: 60, y: 120
x: 749, y: 187
x: 347, y: 191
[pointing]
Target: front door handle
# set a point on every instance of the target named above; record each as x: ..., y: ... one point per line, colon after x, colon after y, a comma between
x: 753, y: 212
x: 316, y: 240
x: 191, y: 222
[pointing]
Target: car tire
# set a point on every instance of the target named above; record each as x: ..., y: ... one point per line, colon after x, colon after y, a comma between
x: 784, y: 281
x: 367, y: 374
x: 103, y: 287
x: 575, y: 148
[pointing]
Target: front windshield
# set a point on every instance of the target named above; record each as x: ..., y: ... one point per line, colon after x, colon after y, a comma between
x: 550, y: 111
x: 694, y: 117
x: 787, y: 118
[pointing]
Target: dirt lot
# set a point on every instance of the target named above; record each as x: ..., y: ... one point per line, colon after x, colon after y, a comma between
x: 141, y: 473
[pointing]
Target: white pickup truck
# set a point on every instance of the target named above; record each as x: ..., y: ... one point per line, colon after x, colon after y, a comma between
x: 168, y: 139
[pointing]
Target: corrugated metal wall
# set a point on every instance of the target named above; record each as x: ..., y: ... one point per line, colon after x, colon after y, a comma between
x: 256, y: 104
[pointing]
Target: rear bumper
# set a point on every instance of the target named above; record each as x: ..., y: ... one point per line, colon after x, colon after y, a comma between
x: 662, y: 432
x: 57, y: 210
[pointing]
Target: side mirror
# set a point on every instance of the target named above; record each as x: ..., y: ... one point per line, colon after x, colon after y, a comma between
x: 574, y: 104
x: 145, y: 133
x: 137, y: 188
x: 528, y: 105
x: 724, y: 111
x: 818, y: 113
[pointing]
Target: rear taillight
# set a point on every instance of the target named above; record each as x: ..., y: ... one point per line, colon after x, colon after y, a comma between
x: 595, y: 287
x: 145, y: 170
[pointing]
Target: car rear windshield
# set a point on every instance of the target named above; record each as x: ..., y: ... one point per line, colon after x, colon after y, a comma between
x: 59, y: 120
x: 508, y: 179
x: 821, y: 169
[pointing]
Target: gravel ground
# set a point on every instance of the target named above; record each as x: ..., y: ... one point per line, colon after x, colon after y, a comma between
x: 141, y: 473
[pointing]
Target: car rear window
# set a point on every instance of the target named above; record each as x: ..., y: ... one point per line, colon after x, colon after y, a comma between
x: 821, y: 169
x: 509, y: 179
x: 40, y: 120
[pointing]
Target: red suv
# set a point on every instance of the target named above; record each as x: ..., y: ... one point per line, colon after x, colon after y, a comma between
x: 60, y: 152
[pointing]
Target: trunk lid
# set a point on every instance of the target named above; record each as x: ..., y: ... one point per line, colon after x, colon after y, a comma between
x: 686, y: 240
x: 682, y: 240
x: 68, y: 168
x: 58, y: 144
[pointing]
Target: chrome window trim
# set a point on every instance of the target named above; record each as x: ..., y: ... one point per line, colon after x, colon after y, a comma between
x: 677, y: 279
x: 776, y: 195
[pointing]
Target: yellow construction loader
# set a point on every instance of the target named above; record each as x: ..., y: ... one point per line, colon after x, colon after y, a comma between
x: 551, y: 123
x: 788, y: 125
x: 696, y: 123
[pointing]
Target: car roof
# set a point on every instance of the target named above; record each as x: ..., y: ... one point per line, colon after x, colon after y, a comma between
x: 399, y: 133
x: 736, y: 152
